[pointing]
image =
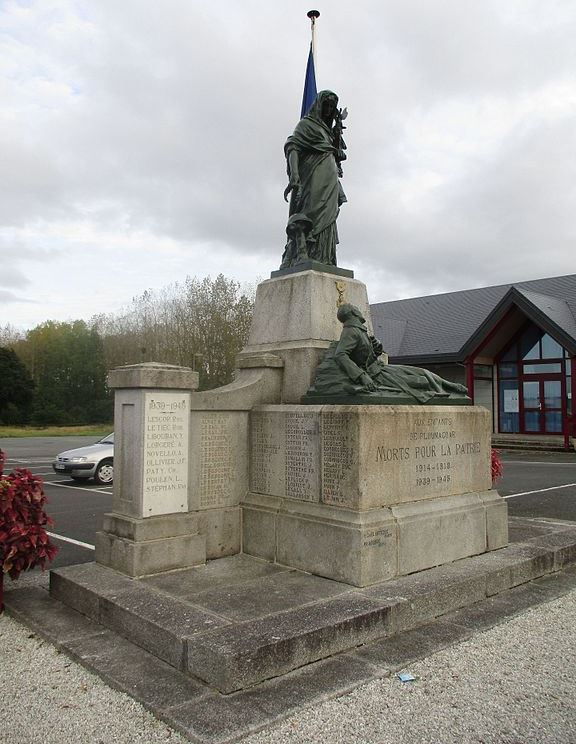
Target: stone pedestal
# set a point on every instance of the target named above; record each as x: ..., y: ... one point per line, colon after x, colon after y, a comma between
x: 364, y: 493
x: 295, y: 319
x: 150, y: 529
x: 357, y: 493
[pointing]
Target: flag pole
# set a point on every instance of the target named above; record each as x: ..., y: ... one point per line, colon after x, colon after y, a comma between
x: 310, y: 78
x: 313, y: 15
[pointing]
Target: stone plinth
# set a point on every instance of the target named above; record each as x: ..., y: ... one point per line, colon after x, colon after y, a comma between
x: 154, y: 375
x: 295, y: 319
x: 150, y: 529
x: 365, y: 493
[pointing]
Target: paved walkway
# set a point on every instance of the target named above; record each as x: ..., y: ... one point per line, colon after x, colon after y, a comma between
x: 514, y: 683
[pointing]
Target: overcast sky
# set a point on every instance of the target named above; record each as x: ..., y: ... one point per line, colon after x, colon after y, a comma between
x: 142, y: 141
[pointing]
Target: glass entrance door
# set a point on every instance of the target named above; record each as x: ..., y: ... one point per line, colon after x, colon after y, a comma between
x: 542, y: 399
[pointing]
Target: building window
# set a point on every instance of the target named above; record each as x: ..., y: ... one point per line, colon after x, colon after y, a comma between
x: 482, y: 371
x: 509, y: 406
x: 508, y: 371
x: 533, y: 384
x: 530, y: 343
x: 550, y: 349
x: 543, y: 368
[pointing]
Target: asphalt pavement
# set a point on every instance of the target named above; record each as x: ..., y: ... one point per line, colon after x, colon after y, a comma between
x: 539, y: 484
x: 77, y: 509
x: 42, y: 448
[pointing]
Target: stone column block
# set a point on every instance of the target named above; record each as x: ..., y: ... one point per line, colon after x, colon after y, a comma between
x: 295, y: 320
x: 150, y: 529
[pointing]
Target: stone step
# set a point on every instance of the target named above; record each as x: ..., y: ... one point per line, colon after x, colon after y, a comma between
x: 232, y: 633
x: 154, y: 621
x: 543, y: 445
x: 205, y: 715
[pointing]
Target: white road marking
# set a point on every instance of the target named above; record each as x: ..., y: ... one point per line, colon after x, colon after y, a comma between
x: 537, y: 462
x: 549, y: 520
x: 79, y: 488
x: 70, y: 540
x: 540, y: 490
x: 30, y: 461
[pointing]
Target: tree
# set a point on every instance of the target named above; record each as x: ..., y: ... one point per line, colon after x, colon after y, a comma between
x: 221, y: 320
x: 201, y: 324
x: 10, y: 335
x: 66, y: 361
x: 16, y: 389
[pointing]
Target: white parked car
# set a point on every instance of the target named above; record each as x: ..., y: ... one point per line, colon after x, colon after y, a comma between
x: 93, y: 461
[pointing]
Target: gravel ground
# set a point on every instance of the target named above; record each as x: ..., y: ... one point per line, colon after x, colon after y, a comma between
x: 513, y: 684
x: 48, y: 699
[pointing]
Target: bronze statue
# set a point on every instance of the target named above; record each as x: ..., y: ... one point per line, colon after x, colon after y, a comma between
x: 313, y: 154
x: 351, y: 367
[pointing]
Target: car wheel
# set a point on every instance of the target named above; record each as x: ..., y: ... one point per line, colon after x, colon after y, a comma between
x: 104, y: 472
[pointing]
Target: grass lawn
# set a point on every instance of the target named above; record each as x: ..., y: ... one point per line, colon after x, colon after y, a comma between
x: 89, y: 430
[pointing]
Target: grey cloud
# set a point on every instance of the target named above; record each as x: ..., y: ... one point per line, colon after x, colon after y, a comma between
x: 504, y: 220
x: 174, y: 123
x: 6, y: 296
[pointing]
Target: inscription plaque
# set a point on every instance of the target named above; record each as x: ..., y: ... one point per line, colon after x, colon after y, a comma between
x: 216, y: 471
x: 267, y: 453
x: 165, y: 476
x: 430, y: 456
x: 339, y: 454
x: 302, y: 455
x: 365, y: 457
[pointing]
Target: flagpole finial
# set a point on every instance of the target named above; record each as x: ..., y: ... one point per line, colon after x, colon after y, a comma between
x: 313, y: 15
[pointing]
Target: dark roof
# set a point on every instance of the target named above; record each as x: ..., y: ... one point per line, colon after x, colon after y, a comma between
x: 557, y: 309
x: 444, y: 327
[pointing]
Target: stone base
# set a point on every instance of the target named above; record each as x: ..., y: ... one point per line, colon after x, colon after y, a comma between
x: 238, y: 621
x: 143, y: 547
x: 221, y: 530
x: 313, y: 266
x: 295, y: 320
x: 362, y: 494
x: 364, y: 548
x: 377, y: 399
x: 302, y: 307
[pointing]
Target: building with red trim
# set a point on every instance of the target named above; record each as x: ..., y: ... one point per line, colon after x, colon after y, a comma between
x: 513, y: 345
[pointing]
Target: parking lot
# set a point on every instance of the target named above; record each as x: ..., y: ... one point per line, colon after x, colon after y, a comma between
x: 77, y: 508
x: 537, y: 485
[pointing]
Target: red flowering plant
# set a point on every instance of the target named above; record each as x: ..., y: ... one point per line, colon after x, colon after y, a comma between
x: 24, y: 543
x: 496, y: 464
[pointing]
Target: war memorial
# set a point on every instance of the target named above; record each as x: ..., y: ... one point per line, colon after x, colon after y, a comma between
x: 319, y: 456
x: 323, y: 502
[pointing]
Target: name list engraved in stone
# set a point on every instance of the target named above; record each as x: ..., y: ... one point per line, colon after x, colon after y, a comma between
x: 165, y: 477
x: 216, y: 472
x: 267, y: 458
x: 302, y: 456
x: 338, y: 457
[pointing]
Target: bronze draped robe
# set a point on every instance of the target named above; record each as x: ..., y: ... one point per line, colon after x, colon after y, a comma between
x: 321, y: 193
